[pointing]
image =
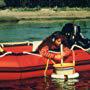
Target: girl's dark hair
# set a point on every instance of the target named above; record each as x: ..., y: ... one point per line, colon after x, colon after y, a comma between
x: 49, y: 40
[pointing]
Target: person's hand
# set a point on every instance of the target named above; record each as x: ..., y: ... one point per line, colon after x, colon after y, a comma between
x: 58, y: 56
x: 63, y: 54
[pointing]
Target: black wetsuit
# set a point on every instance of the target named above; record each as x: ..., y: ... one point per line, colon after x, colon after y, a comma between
x: 74, y: 36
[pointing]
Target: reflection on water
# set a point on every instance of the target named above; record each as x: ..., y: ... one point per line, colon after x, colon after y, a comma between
x: 83, y: 83
x: 66, y: 85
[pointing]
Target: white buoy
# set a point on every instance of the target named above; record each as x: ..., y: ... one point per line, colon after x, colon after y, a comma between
x: 65, y: 70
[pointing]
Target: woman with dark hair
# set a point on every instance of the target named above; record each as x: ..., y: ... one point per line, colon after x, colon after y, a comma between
x: 74, y: 36
x: 53, y: 43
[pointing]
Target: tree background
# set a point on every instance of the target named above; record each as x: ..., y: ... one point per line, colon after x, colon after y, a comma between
x: 44, y: 3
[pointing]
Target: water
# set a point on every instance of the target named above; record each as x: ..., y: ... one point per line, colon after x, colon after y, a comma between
x: 12, y: 32
x: 42, y: 83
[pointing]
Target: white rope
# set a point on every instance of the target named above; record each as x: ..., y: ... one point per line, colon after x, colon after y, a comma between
x: 74, y: 52
x: 13, y: 43
x: 61, y: 46
x: 73, y: 57
x: 47, y: 64
x: 5, y: 54
x: 79, y: 47
x: 46, y: 68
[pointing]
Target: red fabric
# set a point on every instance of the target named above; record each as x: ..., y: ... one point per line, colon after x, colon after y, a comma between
x: 18, y: 49
x: 79, y: 55
x: 22, y: 62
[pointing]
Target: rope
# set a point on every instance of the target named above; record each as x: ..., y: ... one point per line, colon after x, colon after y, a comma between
x: 73, y: 60
x: 53, y: 62
x: 61, y: 46
x: 73, y: 57
x: 79, y: 47
x: 46, y: 68
x: 7, y: 53
x: 74, y: 52
x: 13, y: 43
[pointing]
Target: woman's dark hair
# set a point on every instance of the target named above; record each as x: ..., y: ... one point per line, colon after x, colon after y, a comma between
x: 50, y: 40
x: 58, y: 34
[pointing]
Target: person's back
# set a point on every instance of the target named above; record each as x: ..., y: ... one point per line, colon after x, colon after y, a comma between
x: 74, y: 36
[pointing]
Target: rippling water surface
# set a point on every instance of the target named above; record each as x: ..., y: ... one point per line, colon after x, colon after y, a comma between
x: 11, y: 32
x: 83, y: 83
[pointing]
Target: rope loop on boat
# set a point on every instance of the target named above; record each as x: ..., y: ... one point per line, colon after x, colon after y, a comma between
x: 15, y: 43
x: 79, y: 47
x: 72, y: 48
x: 7, y: 53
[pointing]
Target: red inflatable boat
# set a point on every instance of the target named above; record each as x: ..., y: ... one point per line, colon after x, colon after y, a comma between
x: 19, y: 63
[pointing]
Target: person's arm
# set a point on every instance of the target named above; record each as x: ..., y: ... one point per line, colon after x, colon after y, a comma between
x: 67, y: 51
x: 45, y: 52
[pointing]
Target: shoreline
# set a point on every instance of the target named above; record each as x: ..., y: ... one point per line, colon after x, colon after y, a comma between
x: 44, y: 14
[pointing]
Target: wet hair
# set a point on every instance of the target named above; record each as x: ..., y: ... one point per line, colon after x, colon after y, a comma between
x: 50, y: 40
x: 57, y: 35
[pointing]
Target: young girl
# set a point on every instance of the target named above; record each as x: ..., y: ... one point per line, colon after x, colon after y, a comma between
x: 53, y: 43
